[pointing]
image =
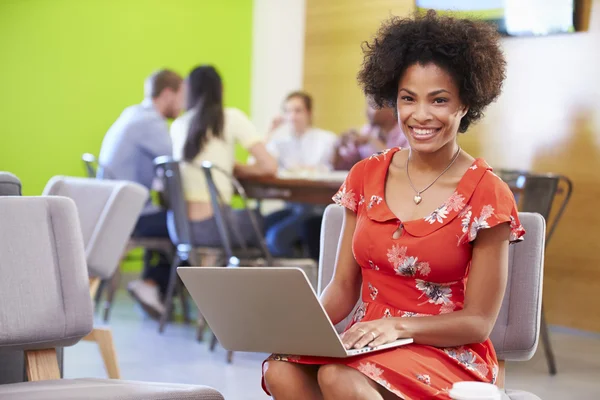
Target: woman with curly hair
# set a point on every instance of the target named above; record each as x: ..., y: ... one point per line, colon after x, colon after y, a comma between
x: 426, y: 231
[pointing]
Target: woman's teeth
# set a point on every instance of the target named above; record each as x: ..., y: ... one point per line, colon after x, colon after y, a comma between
x: 420, y: 131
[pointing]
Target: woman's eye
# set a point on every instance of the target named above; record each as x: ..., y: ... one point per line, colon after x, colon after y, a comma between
x: 440, y: 100
x: 406, y: 98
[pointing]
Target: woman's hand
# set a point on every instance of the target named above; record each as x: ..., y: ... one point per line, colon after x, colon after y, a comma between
x: 372, y: 333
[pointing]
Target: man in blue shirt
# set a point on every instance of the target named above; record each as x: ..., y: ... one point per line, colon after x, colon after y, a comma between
x: 137, y: 137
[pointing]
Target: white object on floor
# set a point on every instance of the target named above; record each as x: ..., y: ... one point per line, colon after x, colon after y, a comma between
x: 474, y: 391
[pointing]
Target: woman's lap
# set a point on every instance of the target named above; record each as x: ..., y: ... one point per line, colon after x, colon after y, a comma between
x: 325, y: 377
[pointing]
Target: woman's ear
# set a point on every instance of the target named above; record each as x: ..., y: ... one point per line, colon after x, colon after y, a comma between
x: 464, y: 111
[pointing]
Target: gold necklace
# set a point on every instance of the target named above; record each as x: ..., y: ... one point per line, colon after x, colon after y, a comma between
x: 417, y: 199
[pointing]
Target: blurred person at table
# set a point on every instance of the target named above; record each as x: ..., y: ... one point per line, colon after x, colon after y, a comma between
x: 137, y: 137
x: 381, y: 132
x: 300, y: 148
x: 297, y: 144
x: 208, y: 131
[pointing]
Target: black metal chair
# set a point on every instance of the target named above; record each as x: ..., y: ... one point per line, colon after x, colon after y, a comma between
x: 245, y: 255
x: 167, y: 170
x: 538, y: 193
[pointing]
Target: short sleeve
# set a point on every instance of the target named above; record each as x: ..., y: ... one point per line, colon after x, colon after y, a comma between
x: 351, y: 193
x: 492, y: 204
x: 241, y: 128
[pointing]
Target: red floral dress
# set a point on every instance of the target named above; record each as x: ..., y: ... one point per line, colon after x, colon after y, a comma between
x: 422, y: 273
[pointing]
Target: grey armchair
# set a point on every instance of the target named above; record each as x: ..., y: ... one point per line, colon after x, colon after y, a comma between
x: 515, y: 335
x: 107, y: 212
x: 46, y: 303
x: 12, y: 362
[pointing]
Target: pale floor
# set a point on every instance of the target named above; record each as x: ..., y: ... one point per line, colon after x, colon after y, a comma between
x: 175, y: 356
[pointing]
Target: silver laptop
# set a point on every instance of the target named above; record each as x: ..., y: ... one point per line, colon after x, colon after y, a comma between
x: 266, y: 310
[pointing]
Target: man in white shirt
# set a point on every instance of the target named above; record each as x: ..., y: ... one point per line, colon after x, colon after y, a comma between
x: 295, y: 142
x: 298, y: 146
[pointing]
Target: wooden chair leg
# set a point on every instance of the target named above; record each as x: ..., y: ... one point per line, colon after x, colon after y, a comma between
x: 103, y: 337
x: 41, y: 365
x: 112, y: 286
x: 169, y: 298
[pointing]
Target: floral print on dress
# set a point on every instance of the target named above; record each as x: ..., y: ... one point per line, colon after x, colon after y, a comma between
x: 373, y: 266
x: 426, y: 379
x: 375, y: 200
x: 411, y: 265
x: 284, y: 357
x: 361, y: 200
x: 410, y: 314
x: 406, y: 265
x: 447, y: 308
x: 456, y: 202
x: 438, y: 215
x: 516, y: 230
x: 373, y: 291
x: 372, y: 371
x: 436, y: 293
x: 345, y: 198
x: 466, y: 221
x: 387, y: 313
x: 396, y: 254
x: 359, y: 313
x: 468, y: 359
x: 480, y: 222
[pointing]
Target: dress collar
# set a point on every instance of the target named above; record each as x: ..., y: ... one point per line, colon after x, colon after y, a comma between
x: 378, y: 210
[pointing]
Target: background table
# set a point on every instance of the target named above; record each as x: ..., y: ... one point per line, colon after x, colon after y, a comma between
x: 318, y: 190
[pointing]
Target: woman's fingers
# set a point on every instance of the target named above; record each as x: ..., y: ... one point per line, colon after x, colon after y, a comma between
x: 380, y: 340
x: 353, y: 335
x: 365, y: 339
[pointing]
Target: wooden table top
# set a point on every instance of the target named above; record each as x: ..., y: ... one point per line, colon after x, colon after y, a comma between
x: 295, y: 189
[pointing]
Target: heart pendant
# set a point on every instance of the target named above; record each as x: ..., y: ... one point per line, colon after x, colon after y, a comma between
x: 417, y: 199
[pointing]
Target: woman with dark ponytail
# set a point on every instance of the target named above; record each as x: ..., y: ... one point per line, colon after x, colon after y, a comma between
x: 209, y: 132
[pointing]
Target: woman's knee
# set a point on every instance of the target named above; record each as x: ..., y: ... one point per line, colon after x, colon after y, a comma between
x: 332, y: 378
x: 282, y: 377
x: 340, y: 381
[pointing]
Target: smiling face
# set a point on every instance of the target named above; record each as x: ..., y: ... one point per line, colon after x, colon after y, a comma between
x: 429, y: 107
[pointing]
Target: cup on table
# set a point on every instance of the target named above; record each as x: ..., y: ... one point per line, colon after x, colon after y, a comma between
x: 474, y: 391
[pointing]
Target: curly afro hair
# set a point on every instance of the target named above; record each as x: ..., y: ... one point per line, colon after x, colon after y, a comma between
x: 468, y: 50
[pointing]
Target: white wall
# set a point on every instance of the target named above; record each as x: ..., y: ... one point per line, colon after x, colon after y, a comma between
x: 277, y: 56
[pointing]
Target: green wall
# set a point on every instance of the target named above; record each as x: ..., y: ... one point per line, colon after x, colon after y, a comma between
x: 69, y: 67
